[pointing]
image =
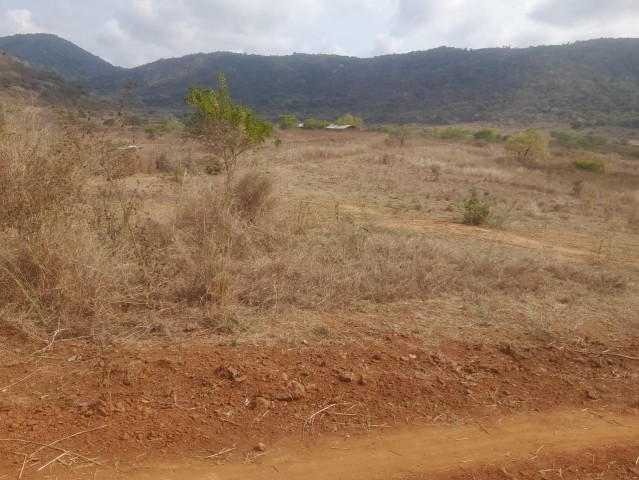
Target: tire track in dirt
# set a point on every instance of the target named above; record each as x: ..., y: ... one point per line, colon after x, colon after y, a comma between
x: 423, y: 450
x: 582, y: 248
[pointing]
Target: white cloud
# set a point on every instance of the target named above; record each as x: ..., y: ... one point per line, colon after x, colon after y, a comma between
x: 130, y: 32
x: 584, y: 12
x: 18, y: 21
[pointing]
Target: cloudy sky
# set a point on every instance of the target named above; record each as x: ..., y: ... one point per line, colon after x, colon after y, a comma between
x: 133, y: 32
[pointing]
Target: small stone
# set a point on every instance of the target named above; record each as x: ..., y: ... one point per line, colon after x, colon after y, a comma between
x: 347, y: 377
x: 298, y: 390
x: 363, y: 380
x: 240, y: 379
x: 260, y: 403
x: 102, y: 411
x: 191, y: 327
x: 590, y: 395
x: 260, y: 447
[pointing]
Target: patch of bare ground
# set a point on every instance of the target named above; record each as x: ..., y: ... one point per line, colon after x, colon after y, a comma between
x: 158, y: 322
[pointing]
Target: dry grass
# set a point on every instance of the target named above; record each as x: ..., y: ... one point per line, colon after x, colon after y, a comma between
x: 85, y: 250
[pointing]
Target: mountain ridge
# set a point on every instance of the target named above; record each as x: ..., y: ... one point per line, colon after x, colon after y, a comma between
x: 594, y: 79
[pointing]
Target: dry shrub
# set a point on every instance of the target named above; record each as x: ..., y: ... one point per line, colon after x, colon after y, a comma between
x: 60, y: 267
x: 41, y: 174
x: 217, y: 231
x: 252, y: 196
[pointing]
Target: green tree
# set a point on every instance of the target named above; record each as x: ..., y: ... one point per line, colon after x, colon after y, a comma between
x: 400, y: 133
x: 487, y: 135
x: 288, y: 121
x: 225, y: 127
x: 528, y: 146
x: 348, y: 119
x: 313, y: 124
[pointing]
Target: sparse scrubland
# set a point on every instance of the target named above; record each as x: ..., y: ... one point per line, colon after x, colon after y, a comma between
x: 422, y: 277
x: 96, y: 240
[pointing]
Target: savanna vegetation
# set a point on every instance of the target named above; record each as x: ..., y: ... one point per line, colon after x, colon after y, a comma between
x: 96, y: 236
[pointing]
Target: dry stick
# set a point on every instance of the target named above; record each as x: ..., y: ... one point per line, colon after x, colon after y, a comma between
x: 309, y: 421
x: 610, y: 354
x: 481, y: 426
x: 52, y: 461
x: 221, y: 452
x: 467, y: 472
x: 7, y: 387
x: 69, y: 452
x: 70, y: 436
x: 24, y: 462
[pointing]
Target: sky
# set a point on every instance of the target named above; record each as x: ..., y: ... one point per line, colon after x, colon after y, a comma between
x: 134, y: 32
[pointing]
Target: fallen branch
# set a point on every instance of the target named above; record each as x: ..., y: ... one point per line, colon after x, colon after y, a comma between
x: 220, y: 453
x: 310, y: 420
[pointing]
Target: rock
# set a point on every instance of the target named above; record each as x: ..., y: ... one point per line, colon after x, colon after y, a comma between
x: 261, y: 403
x: 260, y: 447
x: 591, y: 395
x: 240, y: 379
x: 363, y: 380
x: 191, y: 327
x: 102, y: 411
x: 346, y: 377
x: 298, y: 390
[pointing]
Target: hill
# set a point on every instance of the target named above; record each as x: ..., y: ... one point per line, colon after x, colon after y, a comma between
x: 597, y: 80
x: 21, y: 81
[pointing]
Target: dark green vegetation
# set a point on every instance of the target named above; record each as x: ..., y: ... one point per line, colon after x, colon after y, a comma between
x: 589, y: 83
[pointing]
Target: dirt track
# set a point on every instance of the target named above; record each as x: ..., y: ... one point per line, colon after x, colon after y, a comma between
x: 121, y: 412
x: 528, y: 439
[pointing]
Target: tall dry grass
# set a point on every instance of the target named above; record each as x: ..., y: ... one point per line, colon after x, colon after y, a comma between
x: 79, y: 256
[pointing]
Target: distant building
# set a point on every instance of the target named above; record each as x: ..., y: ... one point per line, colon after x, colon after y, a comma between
x: 341, y: 127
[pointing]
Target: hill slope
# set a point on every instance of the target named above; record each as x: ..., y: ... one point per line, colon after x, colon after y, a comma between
x: 596, y: 79
x: 20, y: 81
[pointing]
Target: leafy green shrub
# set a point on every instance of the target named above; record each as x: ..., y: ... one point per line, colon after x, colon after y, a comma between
x: 487, y: 135
x: 590, y: 166
x: 314, y: 124
x: 448, y: 133
x: 348, y: 119
x: 528, y: 146
x: 570, y: 138
x: 476, y: 211
x: 159, y: 129
x: 288, y: 121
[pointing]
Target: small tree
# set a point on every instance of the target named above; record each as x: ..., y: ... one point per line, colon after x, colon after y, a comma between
x: 528, y: 146
x: 288, y: 121
x: 400, y: 133
x: 349, y: 119
x: 225, y: 127
x: 475, y: 210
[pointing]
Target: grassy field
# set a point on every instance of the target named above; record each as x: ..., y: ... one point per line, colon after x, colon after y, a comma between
x: 99, y: 238
x: 148, y: 307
